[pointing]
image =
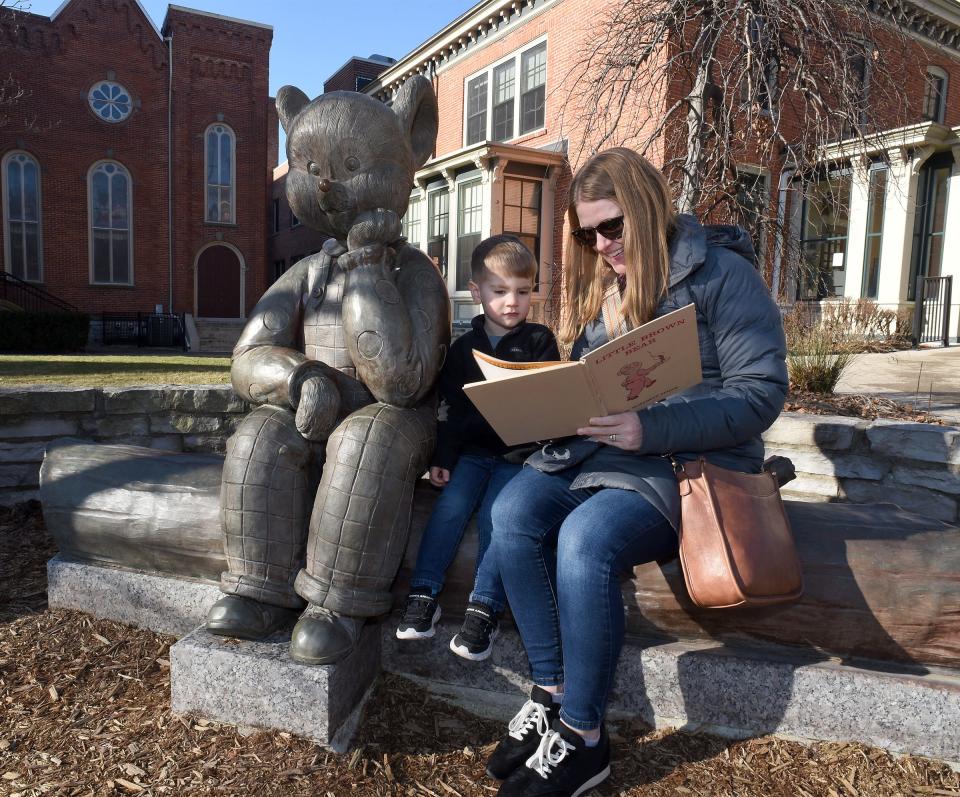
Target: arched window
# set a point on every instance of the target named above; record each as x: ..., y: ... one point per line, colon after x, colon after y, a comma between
x: 23, y: 257
x: 111, y: 242
x: 220, y: 174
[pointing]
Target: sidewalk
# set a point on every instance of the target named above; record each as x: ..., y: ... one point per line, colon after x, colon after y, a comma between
x: 928, y: 378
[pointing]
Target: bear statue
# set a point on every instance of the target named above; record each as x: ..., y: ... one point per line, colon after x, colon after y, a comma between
x: 340, y: 356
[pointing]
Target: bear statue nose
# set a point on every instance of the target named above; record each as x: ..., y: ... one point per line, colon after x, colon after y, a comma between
x: 324, y: 185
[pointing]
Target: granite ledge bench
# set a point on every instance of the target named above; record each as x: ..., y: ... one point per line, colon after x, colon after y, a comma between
x: 880, y: 583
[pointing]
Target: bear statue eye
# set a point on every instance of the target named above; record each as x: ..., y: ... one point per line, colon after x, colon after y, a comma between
x: 313, y: 168
x: 352, y: 163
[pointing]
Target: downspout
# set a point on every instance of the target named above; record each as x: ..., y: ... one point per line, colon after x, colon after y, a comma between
x: 169, y: 41
x: 786, y: 176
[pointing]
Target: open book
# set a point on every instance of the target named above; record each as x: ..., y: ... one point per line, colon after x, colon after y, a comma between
x: 524, y: 402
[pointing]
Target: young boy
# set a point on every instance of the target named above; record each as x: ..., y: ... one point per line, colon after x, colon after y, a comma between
x: 471, y: 463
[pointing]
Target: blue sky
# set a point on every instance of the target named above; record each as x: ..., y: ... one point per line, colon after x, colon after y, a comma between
x: 311, y: 40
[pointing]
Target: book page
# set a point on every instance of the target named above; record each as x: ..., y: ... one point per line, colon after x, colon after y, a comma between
x: 648, y: 363
x: 494, y: 368
x: 535, y: 405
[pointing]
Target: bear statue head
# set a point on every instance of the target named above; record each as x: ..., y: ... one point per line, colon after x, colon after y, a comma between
x: 349, y: 153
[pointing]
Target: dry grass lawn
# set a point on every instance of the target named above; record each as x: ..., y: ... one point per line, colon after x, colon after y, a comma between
x: 112, y: 370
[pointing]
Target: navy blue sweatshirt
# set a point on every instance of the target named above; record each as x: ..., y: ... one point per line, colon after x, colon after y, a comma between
x: 461, y: 428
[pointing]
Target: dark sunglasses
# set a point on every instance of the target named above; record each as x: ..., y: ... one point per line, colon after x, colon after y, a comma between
x: 611, y: 229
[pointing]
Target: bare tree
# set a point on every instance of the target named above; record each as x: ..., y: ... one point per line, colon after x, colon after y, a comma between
x: 704, y: 86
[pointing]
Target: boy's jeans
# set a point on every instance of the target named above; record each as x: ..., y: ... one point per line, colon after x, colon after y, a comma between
x: 475, y: 480
x: 561, y: 553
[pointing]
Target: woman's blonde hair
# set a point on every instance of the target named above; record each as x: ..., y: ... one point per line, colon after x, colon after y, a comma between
x: 623, y: 176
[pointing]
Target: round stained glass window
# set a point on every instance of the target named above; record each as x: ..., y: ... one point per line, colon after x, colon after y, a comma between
x: 110, y: 101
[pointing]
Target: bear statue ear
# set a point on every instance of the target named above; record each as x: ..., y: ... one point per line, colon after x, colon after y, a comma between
x: 290, y: 101
x: 416, y: 105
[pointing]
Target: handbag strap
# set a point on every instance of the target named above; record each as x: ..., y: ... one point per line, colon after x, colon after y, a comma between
x: 612, y: 311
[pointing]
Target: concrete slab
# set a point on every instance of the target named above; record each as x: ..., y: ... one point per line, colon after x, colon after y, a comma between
x: 706, y: 686
x: 161, y: 603
x: 929, y: 378
x: 258, y: 684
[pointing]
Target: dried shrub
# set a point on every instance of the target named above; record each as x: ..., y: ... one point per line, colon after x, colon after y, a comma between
x: 818, y: 349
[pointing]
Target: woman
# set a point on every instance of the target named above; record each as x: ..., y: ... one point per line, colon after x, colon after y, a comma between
x: 591, y: 507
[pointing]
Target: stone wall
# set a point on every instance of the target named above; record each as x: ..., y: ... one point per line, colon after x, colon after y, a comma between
x: 915, y: 465
x: 196, y: 418
x: 837, y: 459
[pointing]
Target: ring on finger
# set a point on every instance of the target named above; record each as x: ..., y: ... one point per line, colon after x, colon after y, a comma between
x: 613, y: 438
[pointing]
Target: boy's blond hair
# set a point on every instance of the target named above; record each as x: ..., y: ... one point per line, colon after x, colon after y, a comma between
x: 504, y: 254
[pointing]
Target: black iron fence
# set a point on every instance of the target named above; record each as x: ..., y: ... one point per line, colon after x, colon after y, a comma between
x: 145, y: 329
x: 931, y: 316
x: 30, y: 297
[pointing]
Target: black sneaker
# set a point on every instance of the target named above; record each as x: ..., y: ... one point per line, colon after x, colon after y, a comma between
x: 420, y: 617
x: 476, y: 636
x: 524, y: 734
x: 562, y: 766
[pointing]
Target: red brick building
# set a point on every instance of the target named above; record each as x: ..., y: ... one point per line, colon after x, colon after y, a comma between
x: 509, y: 122
x: 121, y: 186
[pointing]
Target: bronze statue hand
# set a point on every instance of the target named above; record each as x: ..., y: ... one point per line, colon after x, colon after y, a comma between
x: 375, y: 254
x: 377, y: 226
x: 318, y: 408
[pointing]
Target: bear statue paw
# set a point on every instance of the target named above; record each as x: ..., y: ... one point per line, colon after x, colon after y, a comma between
x: 322, y: 637
x: 246, y: 618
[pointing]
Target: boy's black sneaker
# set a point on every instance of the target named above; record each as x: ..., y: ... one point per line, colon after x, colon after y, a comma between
x: 475, y: 639
x: 562, y: 766
x: 524, y: 734
x: 420, y: 617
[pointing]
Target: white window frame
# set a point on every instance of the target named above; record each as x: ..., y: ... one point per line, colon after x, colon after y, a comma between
x: 517, y: 57
x: 481, y: 212
x: 940, y: 111
x: 90, y: 228
x: 232, y: 186
x: 438, y: 192
x: 869, y: 236
x: 414, y: 218
x: 7, y: 248
x: 838, y: 172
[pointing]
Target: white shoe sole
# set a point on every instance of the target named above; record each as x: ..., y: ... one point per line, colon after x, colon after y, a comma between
x: 594, y: 781
x: 464, y: 653
x: 412, y: 633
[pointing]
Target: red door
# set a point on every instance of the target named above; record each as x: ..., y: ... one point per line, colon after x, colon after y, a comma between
x: 218, y: 283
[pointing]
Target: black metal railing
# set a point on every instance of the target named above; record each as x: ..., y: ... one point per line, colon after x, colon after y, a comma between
x: 931, y: 315
x: 30, y: 297
x: 165, y: 330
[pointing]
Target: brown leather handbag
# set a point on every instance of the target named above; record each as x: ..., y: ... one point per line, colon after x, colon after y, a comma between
x: 736, y: 548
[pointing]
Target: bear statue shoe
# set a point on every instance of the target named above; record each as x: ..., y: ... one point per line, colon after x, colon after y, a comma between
x: 322, y: 637
x: 246, y: 618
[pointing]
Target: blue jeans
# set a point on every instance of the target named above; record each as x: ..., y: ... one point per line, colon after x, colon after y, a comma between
x: 476, y: 480
x: 560, y: 553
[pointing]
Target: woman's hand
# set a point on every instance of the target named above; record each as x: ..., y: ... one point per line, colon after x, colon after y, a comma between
x: 622, y: 430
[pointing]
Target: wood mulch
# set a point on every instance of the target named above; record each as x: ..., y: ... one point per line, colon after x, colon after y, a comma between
x: 85, y: 710
x: 856, y: 406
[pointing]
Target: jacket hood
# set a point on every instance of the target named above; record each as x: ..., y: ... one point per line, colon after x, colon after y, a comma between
x: 688, y: 247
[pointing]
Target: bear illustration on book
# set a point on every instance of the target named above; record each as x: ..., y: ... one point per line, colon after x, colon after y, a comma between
x: 637, y: 375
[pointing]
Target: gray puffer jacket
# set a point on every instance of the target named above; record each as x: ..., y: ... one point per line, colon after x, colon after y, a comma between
x: 743, y: 359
